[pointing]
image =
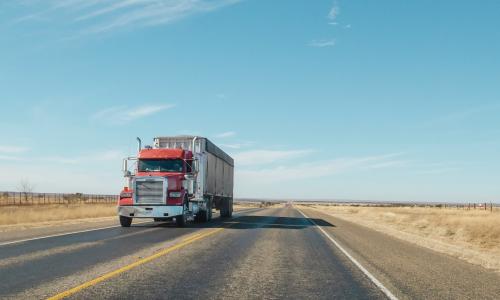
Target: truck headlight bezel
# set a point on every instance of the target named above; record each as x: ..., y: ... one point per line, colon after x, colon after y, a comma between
x: 126, y: 195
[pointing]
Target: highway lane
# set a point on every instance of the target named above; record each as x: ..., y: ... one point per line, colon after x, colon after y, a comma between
x: 79, y: 256
x: 271, y: 253
x: 265, y: 253
x: 15, y: 233
x: 18, y: 233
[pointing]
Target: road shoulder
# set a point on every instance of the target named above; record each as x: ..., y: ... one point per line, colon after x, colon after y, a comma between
x: 408, y: 269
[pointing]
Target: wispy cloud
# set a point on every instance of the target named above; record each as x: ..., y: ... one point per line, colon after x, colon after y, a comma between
x: 237, y: 145
x: 10, y: 158
x: 16, y: 154
x: 226, y: 134
x: 460, y: 116
x: 297, y: 171
x: 262, y: 157
x: 231, y: 146
x: 389, y: 163
x: 438, y: 171
x: 221, y: 96
x: 322, y: 43
x: 123, y: 114
x: 334, y: 12
x: 98, y: 16
x: 12, y: 153
x: 106, y: 155
x: 12, y: 149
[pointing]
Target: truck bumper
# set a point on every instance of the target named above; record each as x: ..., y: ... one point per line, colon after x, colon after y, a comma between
x: 149, y: 211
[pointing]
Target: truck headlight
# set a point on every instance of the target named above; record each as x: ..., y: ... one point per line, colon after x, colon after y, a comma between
x: 126, y: 195
x: 175, y: 194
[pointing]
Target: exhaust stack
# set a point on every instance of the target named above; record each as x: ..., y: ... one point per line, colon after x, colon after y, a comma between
x: 139, y: 145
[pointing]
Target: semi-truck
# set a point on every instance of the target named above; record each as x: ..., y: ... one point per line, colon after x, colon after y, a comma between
x: 180, y: 178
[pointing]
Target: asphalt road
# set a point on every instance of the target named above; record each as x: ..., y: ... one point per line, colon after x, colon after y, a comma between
x: 273, y: 253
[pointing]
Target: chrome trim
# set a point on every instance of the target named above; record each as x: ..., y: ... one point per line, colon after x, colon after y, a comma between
x: 164, y: 181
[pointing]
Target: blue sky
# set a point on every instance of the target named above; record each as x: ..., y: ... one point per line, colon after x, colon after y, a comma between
x: 380, y: 100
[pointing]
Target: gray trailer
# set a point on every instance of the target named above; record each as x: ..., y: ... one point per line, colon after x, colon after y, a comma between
x: 213, y: 184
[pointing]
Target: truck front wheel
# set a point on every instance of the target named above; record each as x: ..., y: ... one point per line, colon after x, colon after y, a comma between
x: 180, y: 221
x: 125, y: 221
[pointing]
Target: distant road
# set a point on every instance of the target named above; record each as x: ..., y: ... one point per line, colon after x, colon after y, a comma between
x: 272, y: 253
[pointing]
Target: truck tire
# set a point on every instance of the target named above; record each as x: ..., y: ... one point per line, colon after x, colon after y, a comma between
x: 230, y: 207
x: 180, y: 221
x: 125, y: 221
x: 209, y: 209
x: 223, y: 211
x: 205, y: 215
x: 226, y: 209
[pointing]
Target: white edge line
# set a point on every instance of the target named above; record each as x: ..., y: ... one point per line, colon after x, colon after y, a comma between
x: 62, y: 234
x: 353, y: 260
x: 87, y: 230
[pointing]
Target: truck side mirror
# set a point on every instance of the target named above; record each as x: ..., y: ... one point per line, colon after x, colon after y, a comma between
x: 125, y: 170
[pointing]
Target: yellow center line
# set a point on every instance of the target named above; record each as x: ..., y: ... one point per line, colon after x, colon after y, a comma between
x: 142, y: 261
x: 191, y: 237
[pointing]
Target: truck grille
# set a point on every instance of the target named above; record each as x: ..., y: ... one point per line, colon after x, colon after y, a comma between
x: 149, y: 192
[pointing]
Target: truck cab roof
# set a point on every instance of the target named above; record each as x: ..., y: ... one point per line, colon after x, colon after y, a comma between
x: 165, y: 154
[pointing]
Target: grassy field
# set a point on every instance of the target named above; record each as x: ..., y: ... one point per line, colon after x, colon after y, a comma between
x: 473, y: 235
x: 33, y: 214
x: 11, y: 215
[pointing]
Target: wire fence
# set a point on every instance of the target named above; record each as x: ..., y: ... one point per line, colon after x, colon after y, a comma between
x: 491, y: 207
x: 21, y: 198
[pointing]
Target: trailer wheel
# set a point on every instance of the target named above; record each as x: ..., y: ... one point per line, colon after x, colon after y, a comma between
x: 222, y: 208
x: 226, y: 209
x: 209, y: 209
x: 202, y: 216
x: 230, y: 208
x: 125, y: 221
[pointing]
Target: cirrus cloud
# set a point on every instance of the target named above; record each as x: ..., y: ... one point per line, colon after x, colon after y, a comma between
x: 124, y: 114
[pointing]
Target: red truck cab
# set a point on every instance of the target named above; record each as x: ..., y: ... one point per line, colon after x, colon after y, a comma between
x: 157, y: 189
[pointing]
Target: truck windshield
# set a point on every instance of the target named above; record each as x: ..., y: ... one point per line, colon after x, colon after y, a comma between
x: 160, y: 165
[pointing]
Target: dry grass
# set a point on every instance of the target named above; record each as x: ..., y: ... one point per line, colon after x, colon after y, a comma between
x: 11, y: 215
x: 58, y: 213
x: 248, y: 204
x: 473, y: 235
